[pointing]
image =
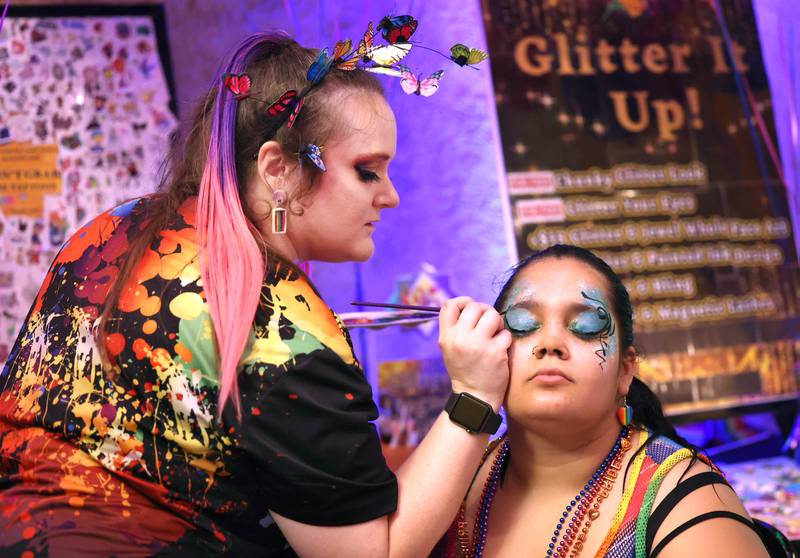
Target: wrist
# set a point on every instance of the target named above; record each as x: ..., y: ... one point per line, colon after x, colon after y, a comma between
x: 493, y: 399
x: 472, y: 413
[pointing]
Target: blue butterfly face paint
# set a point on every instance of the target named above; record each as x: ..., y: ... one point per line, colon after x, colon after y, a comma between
x: 596, y: 323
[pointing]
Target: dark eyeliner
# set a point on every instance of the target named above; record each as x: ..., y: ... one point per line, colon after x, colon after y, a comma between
x: 367, y: 175
x: 587, y: 336
x: 517, y: 332
x: 518, y: 317
x: 580, y: 328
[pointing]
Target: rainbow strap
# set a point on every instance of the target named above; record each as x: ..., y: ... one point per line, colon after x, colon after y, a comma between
x: 627, y: 494
x: 650, y: 497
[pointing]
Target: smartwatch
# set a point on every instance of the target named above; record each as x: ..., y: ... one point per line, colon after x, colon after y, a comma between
x: 472, y: 414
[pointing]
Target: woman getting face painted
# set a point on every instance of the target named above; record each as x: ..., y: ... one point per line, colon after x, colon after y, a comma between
x: 553, y: 485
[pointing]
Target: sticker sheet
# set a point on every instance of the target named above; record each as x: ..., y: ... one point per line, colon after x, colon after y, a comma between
x: 84, y: 123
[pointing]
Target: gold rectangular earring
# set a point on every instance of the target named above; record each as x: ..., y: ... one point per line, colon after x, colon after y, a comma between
x: 279, y: 216
x: 279, y: 220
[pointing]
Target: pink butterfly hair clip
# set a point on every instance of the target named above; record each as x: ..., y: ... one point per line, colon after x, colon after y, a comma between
x: 412, y: 84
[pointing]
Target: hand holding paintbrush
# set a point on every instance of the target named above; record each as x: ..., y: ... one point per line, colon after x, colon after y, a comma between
x: 474, y: 345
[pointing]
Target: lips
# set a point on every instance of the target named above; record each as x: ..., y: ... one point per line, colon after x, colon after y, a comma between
x: 551, y: 375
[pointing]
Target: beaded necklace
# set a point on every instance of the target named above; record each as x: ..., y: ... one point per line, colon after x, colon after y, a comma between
x: 585, y: 504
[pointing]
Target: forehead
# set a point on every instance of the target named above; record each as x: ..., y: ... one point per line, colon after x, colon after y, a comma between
x: 555, y: 279
x: 363, y: 122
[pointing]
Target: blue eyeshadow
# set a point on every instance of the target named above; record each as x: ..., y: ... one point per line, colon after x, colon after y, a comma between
x: 591, y: 322
x: 520, y: 320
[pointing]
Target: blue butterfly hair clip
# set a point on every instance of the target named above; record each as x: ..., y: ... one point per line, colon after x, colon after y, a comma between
x: 314, y: 153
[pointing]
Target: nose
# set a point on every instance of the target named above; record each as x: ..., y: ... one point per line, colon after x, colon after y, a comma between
x: 550, y: 343
x: 388, y: 197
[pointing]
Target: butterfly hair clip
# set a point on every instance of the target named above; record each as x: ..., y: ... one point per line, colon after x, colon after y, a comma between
x: 289, y: 103
x: 286, y: 108
x: 466, y: 56
x: 369, y: 56
x: 238, y: 84
x: 314, y: 153
x: 397, y: 29
x: 412, y: 84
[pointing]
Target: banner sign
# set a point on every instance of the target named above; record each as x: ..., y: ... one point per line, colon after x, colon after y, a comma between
x: 627, y: 129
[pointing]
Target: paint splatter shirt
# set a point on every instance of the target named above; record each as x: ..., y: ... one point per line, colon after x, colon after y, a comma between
x: 129, y: 460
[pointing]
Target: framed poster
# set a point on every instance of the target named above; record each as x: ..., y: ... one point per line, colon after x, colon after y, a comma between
x: 627, y: 128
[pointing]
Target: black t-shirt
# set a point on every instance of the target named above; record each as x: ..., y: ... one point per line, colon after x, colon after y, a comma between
x: 136, y: 450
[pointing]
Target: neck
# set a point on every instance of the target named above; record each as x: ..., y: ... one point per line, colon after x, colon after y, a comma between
x: 547, y: 461
x: 280, y: 243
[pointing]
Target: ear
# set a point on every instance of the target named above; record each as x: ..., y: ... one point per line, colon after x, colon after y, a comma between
x: 627, y: 368
x: 271, y: 163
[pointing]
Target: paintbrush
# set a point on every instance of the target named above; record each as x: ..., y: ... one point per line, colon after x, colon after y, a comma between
x: 434, y: 309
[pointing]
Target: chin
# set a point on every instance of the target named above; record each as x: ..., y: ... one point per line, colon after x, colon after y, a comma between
x: 362, y: 257
x: 363, y: 253
x: 356, y: 253
x: 544, y: 406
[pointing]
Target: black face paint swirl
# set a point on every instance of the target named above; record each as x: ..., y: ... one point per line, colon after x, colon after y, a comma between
x: 599, y: 325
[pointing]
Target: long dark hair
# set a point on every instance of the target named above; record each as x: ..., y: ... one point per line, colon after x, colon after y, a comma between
x: 213, y: 158
x: 647, y: 410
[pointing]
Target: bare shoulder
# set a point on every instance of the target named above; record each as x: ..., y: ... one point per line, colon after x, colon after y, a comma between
x: 718, y: 536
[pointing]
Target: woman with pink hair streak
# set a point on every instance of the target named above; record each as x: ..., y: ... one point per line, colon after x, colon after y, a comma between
x: 180, y: 388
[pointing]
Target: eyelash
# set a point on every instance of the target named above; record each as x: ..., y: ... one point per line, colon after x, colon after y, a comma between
x: 367, y: 175
x: 520, y: 332
x: 586, y: 336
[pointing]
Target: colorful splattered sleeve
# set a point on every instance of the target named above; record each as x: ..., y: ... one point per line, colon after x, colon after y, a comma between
x: 309, y: 409
x: 126, y: 457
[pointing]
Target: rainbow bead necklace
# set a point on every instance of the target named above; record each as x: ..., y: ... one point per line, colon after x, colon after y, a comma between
x: 582, y: 504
